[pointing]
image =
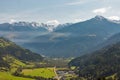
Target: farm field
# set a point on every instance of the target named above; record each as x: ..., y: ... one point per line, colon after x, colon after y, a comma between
x: 41, y: 72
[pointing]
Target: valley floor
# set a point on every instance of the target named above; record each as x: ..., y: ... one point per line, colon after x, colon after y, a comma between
x: 38, y: 70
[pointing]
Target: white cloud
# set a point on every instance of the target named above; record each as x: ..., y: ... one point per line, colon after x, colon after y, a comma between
x: 101, y: 10
x: 12, y: 21
x: 76, y: 3
x: 114, y: 18
x: 53, y: 22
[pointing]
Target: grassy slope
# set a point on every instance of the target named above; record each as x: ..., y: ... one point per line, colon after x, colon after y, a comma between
x: 4, y: 43
x: 42, y: 72
x: 8, y: 76
x: 13, y: 62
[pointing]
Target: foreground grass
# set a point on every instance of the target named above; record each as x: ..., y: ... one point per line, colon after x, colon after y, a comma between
x: 42, y: 72
x: 112, y: 77
x: 8, y: 76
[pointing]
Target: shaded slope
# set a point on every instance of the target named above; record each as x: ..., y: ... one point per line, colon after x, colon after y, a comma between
x: 101, y: 63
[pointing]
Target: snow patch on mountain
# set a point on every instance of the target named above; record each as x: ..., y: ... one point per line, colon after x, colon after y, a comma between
x: 50, y: 25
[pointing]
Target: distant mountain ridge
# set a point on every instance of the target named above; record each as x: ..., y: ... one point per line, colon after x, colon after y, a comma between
x: 29, y: 26
x: 110, y: 41
x: 17, y: 26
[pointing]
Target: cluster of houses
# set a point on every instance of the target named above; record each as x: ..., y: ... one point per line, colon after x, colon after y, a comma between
x: 64, y: 74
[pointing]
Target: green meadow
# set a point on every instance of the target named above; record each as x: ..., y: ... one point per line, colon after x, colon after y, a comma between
x: 8, y: 76
x: 42, y: 72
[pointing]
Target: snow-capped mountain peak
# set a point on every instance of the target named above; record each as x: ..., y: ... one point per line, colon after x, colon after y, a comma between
x: 99, y: 17
x: 22, y: 23
x: 48, y: 26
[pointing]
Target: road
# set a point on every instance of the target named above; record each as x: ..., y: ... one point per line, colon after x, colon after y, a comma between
x: 58, y: 77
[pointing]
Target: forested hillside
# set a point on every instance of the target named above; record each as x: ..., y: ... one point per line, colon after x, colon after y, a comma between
x: 104, y: 62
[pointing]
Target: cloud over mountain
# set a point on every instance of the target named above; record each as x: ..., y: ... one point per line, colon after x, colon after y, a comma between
x: 101, y: 10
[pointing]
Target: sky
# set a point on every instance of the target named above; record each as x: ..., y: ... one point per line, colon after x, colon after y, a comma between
x: 57, y: 11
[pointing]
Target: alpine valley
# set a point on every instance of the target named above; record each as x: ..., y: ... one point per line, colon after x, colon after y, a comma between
x: 87, y: 50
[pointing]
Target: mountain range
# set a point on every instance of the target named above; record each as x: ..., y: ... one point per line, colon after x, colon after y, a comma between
x: 64, y: 40
x: 29, y: 26
x: 75, y: 39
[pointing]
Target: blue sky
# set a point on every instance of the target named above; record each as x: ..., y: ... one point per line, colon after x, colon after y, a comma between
x: 58, y: 11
